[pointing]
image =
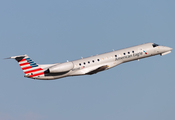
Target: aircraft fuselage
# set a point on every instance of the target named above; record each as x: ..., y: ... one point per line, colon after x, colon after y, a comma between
x: 93, y: 64
x: 87, y: 65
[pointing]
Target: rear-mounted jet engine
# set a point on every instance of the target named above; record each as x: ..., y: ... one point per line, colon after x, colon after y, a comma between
x: 64, y: 67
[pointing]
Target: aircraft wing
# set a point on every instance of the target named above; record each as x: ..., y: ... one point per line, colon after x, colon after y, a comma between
x: 97, y: 70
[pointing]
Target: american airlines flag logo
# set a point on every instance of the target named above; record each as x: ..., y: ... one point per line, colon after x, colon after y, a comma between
x: 30, y: 68
x: 145, y: 52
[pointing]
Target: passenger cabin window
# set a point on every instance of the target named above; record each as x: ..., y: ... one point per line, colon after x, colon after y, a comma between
x: 92, y: 60
x: 128, y: 52
x: 98, y: 59
x: 80, y: 64
x: 88, y: 61
x: 155, y: 45
x: 115, y: 55
x: 84, y: 63
x: 124, y: 53
x: 132, y: 51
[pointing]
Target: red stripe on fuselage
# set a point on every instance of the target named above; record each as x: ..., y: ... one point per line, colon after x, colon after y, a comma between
x: 35, y: 70
x: 37, y: 74
x: 26, y: 67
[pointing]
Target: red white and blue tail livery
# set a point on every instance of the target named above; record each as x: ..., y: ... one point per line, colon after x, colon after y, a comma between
x: 90, y: 65
x: 30, y: 68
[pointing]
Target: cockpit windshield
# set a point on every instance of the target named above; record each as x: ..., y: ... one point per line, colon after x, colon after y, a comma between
x: 155, y: 45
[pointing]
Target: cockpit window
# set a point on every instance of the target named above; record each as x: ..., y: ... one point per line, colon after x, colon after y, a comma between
x: 155, y: 45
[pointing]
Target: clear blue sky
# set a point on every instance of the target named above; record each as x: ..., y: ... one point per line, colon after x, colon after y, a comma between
x: 55, y: 31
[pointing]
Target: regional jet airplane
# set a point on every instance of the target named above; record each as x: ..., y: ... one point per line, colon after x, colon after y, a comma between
x: 89, y: 65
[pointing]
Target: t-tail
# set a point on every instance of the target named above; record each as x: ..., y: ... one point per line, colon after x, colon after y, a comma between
x: 30, y: 68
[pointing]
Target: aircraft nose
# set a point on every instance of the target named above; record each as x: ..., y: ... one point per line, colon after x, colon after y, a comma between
x: 168, y: 49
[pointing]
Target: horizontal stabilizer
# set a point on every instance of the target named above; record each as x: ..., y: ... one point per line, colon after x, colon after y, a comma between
x: 17, y: 57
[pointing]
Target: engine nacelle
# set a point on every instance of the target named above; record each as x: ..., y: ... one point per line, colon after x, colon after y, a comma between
x: 64, y: 67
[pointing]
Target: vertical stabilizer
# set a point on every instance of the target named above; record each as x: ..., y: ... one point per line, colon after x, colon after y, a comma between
x: 30, y: 68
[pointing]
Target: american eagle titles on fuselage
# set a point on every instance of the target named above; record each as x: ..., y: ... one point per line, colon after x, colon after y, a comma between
x: 89, y: 65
